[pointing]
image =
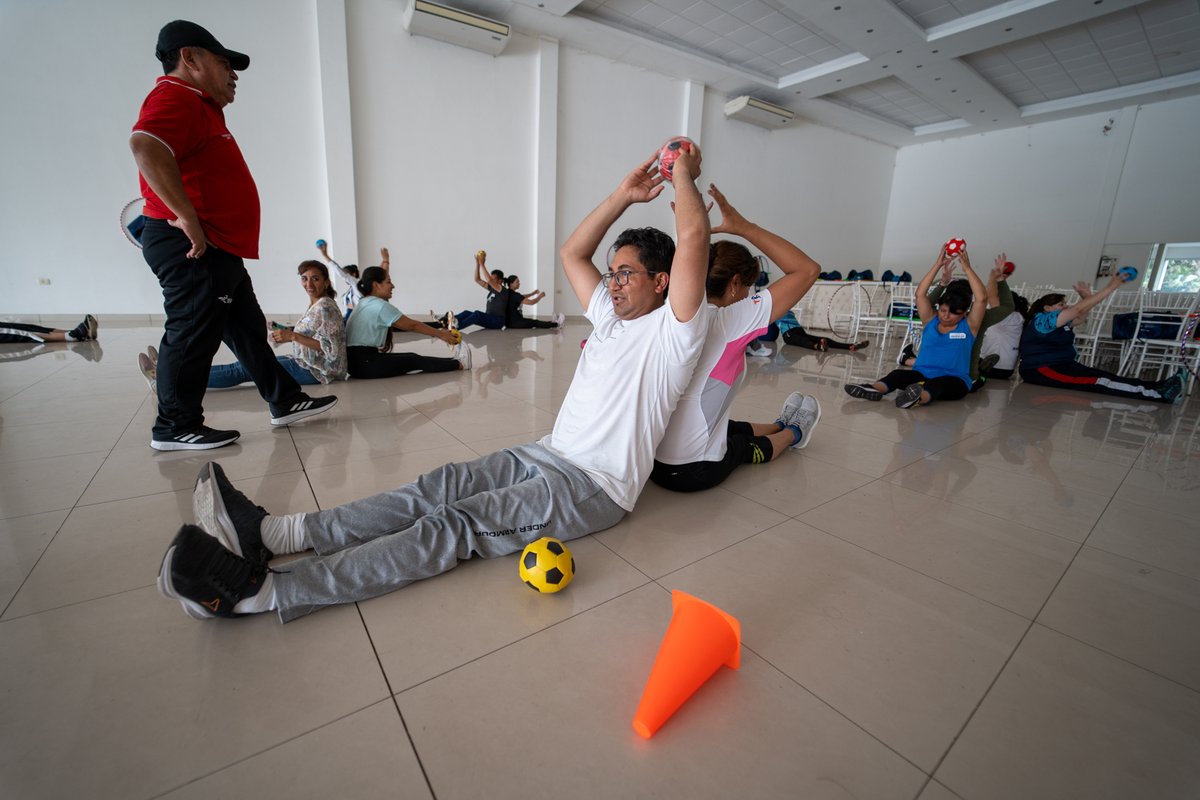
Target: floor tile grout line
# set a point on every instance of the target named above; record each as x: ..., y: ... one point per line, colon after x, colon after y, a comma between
x: 395, y: 702
x: 527, y: 636
x: 265, y: 750
x: 1017, y: 646
x: 74, y: 505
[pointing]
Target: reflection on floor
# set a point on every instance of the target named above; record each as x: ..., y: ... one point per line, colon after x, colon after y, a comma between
x: 996, y: 598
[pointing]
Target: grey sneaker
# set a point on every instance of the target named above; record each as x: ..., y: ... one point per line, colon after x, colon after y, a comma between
x: 791, y: 407
x: 863, y: 391
x: 806, y: 419
x: 909, y: 396
x: 462, y: 352
x: 149, y: 372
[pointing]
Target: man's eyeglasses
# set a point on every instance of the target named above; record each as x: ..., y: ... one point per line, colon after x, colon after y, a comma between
x: 622, y: 276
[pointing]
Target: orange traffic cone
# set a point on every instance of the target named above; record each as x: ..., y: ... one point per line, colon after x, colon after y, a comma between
x: 700, y: 639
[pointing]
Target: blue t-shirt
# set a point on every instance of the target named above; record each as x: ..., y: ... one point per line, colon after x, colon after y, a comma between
x: 946, y: 354
x: 1043, y: 342
x: 368, y: 325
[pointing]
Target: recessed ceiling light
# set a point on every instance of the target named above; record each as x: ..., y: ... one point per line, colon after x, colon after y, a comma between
x: 968, y: 101
x: 938, y: 78
x: 870, y: 30
x: 898, y: 52
x: 885, y: 66
x: 837, y: 8
x: 933, y: 51
x: 952, y: 91
x: 918, y: 66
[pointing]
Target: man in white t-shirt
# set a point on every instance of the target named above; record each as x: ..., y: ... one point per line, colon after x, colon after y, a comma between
x: 581, y: 478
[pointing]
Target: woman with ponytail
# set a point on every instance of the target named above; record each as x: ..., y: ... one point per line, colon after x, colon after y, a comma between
x: 369, y: 335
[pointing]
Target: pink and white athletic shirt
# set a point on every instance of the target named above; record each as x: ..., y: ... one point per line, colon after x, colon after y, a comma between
x: 696, y: 431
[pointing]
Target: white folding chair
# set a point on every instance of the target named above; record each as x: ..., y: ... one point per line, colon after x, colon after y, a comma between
x: 1168, y: 313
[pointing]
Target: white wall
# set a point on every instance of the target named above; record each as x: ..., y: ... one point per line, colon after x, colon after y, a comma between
x: 825, y: 191
x: 1159, y: 195
x: 444, y: 142
x: 1052, y: 194
x: 67, y: 167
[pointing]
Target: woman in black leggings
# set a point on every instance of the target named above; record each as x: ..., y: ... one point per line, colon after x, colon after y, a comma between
x: 369, y: 335
x: 513, y: 318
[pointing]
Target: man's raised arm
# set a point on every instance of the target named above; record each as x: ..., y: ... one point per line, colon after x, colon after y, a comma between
x: 641, y: 185
x: 692, y: 230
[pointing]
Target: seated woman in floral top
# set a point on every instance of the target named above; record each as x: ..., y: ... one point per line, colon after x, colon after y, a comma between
x: 318, y: 340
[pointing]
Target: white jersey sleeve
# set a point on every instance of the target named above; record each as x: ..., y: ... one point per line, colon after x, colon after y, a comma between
x: 697, y: 430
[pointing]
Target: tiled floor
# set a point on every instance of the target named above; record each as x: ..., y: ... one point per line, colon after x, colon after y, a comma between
x: 998, y: 598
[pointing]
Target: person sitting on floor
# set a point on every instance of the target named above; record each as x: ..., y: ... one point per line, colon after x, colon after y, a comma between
x: 584, y: 476
x: 943, y: 367
x: 513, y: 318
x: 1048, y: 356
x: 369, y: 335
x: 703, y: 445
x: 26, y: 333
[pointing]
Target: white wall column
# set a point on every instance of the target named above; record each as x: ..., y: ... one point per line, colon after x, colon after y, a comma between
x: 545, y: 160
x: 333, y: 58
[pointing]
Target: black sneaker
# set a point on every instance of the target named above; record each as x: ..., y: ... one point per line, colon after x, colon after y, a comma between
x: 303, y: 406
x: 909, y: 396
x: 85, y: 331
x: 1173, y: 387
x: 229, y: 514
x: 905, y: 354
x: 206, y: 579
x: 863, y: 391
x: 202, y: 438
x: 988, y: 363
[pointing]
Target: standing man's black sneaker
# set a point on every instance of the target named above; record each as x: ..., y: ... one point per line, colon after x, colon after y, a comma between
x: 231, y: 516
x: 206, y: 579
x: 303, y: 406
x: 202, y: 438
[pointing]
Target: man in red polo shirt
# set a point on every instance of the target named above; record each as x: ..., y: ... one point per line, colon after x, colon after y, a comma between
x: 202, y: 219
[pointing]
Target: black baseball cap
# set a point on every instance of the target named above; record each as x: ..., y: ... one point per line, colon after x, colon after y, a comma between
x: 182, y: 33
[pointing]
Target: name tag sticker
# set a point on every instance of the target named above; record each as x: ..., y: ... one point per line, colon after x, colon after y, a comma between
x: 958, y: 335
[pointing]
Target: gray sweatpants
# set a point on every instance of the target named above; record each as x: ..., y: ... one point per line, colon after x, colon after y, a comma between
x: 489, y: 507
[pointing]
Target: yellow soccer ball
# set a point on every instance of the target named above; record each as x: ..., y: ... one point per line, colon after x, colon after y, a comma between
x: 547, y: 565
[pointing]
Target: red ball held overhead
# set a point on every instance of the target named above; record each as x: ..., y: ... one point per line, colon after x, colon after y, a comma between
x: 955, y: 246
x: 670, y: 151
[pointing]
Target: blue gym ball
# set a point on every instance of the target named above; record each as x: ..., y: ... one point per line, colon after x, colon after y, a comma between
x: 320, y: 242
x: 1129, y: 273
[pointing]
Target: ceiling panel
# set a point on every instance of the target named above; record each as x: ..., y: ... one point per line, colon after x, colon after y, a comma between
x: 897, y: 71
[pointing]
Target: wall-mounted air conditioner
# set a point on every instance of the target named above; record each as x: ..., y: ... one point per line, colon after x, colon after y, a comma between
x: 758, y: 112
x: 423, y: 18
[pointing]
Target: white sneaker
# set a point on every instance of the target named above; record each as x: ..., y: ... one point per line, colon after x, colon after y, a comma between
x: 149, y: 372
x: 758, y: 349
x: 462, y: 351
x: 559, y: 319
